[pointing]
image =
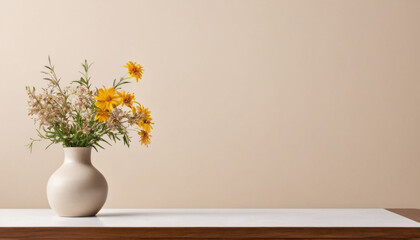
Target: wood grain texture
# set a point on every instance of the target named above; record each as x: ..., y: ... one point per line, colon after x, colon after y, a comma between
x: 208, y: 233
x: 411, y: 213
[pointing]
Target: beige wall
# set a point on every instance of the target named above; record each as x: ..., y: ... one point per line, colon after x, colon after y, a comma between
x: 257, y: 103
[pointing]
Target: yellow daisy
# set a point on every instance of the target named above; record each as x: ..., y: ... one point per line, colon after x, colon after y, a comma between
x: 146, y: 121
x: 126, y: 98
x: 106, y: 99
x: 146, y: 124
x: 135, y: 70
x: 145, y: 138
x: 102, y: 116
x: 142, y: 110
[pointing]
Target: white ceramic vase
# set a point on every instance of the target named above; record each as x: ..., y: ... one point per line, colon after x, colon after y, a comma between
x: 77, y: 188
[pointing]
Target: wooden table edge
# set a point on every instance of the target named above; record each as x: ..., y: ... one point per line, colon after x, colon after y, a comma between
x: 122, y: 233
x: 209, y: 233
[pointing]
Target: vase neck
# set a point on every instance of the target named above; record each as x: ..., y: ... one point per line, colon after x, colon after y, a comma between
x: 78, y: 154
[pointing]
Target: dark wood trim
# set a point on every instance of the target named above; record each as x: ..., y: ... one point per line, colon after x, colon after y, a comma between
x: 107, y: 233
x: 411, y: 213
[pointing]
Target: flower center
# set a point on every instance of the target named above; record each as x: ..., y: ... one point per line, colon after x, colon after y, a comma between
x: 109, y: 99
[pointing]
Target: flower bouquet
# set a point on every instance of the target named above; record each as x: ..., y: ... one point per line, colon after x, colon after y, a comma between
x: 81, y: 117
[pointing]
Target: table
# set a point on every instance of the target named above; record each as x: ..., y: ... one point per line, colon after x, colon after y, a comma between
x: 214, y: 224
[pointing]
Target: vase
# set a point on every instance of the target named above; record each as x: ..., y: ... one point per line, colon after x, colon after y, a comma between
x: 77, y: 188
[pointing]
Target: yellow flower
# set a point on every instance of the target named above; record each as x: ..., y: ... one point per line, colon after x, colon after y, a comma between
x: 135, y: 70
x: 102, y: 116
x: 106, y: 99
x: 145, y: 121
x: 146, y: 124
x: 142, y: 110
x: 145, y: 138
x: 126, y: 98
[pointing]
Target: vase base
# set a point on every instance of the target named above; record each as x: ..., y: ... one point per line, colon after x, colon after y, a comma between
x: 75, y: 215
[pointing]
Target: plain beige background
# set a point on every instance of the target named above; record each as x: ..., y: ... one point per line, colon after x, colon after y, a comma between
x: 257, y: 104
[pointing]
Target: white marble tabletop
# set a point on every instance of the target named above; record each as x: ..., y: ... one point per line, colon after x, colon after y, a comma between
x: 209, y: 218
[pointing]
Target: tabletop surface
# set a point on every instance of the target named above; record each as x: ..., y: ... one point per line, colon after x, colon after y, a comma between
x: 209, y: 218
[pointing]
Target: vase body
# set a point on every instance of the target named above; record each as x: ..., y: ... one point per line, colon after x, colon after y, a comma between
x: 77, y: 188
